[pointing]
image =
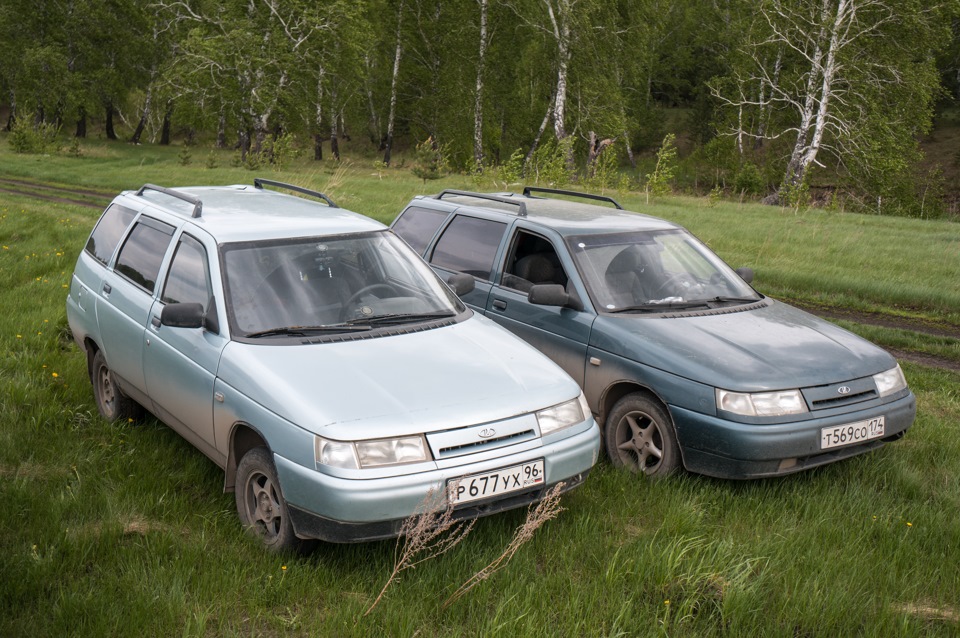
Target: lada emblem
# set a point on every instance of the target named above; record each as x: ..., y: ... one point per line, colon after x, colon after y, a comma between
x: 486, y: 433
x: 844, y: 389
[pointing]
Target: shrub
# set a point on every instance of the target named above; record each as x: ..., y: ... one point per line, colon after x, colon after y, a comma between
x: 749, y: 180
x: 26, y: 137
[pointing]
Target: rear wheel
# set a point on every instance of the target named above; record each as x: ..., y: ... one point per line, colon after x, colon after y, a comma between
x: 112, y: 403
x: 639, y: 436
x: 260, y: 503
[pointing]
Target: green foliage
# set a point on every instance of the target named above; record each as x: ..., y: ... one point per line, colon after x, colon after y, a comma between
x: 749, y: 180
x: 29, y: 138
x: 73, y: 148
x: 281, y: 150
x: 548, y: 165
x: 659, y: 181
x: 429, y: 162
x: 185, y: 156
x: 606, y: 173
x: 213, y: 161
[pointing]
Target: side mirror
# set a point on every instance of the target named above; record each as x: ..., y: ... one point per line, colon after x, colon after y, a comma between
x: 182, y: 315
x: 553, y: 295
x: 461, y: 283
x: 746, y: 274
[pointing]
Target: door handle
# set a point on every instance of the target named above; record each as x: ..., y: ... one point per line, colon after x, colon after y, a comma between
x: 155, y: 322
x: 107, y: 288
x: 499, y: 304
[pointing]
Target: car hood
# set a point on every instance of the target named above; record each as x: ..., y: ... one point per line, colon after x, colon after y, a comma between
x: 463, y: 374
x: 772, y: 347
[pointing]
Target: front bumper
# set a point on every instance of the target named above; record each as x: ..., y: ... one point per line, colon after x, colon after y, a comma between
x: 727, y: 449
x: 344, y: 510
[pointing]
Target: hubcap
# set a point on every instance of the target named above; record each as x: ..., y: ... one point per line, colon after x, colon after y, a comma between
x: 107, y: 397
x: 640, y: 442
x: 263, y: 505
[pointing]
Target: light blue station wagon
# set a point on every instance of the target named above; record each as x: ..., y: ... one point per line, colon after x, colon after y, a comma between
x: 683, y: 363
x: 342, y: 386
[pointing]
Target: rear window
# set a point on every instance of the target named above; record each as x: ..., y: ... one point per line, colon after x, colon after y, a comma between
x: 469, y: 245
x: 417, y: 226
x: 141, y: 255
x: 110, y: 229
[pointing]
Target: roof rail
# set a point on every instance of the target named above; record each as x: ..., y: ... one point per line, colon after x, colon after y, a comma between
x: 521, y: 207
x: 556, y: 191
x: 259, y: 182
x: 190, y: 199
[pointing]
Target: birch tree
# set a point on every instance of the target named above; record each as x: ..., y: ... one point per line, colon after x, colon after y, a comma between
x: 845, y: 77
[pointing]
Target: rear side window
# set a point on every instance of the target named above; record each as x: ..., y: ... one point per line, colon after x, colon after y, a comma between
x: 140, y: 257
x: 189, y: 277
x: 469, y: 245
x: 417, y: 226
x: 111, y: 227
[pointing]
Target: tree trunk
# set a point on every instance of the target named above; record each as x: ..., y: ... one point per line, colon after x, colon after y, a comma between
x: 222, y: 128
x: 108, y: 122
x: 12, y: 116
x: 596, y: 148
x: 318, y: 116
x: 478, y: 102
x: 334, y: 142
x: 388, y: 146
x: 165, y: 129
x: 543, y: 127
x: 82, y: 124
x: 373, y: 126
x: 135, y: 138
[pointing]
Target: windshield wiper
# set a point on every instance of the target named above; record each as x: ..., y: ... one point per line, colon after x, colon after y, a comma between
x: 302, y: 331
x: 657, y: 307
x: 722, y: 299
x: 406, y: 317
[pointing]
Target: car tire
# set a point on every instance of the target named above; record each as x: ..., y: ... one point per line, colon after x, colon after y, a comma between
x: 112, y: 403
x: 639, y: 435
x: 260, y: 503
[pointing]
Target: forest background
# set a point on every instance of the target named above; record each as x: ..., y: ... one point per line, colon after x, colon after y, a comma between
x: 831, y: 102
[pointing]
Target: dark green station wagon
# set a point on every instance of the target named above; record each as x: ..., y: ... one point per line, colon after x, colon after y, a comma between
x: 681, y: 360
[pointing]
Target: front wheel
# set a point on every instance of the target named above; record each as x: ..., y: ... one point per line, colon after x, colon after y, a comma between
x: 639, y: 436
x: 260, y: 503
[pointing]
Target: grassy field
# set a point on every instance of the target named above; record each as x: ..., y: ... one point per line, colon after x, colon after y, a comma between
x: 121, y: 529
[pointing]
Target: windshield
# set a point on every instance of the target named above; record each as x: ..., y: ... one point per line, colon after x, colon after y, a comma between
x: 330, y: 284
x: 655, y: 270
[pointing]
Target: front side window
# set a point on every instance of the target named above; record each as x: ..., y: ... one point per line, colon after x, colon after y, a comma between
x: 469, y: 245
x: 654, y: 270
x: 317, y: 285
x: 189, y: 278
x: 141, y: 255
x: 532, y: 260
x: 111, y: 227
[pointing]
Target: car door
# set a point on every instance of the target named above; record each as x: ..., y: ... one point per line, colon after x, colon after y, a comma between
x: 180, y: 364
x: 125, y: 298
x: 562, y: 333
x: 469, y: 245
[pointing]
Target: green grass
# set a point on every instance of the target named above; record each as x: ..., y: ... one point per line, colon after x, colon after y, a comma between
x: 123, y: 529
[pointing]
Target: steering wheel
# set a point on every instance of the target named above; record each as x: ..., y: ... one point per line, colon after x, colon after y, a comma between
x: 349, y: 304
x: 671, y: 283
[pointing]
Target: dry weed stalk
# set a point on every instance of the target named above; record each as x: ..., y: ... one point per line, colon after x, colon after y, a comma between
x: 427, y: 534
x: 547, y: 509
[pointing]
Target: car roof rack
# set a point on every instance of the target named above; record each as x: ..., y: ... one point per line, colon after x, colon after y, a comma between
x: 190, y: 199
x: 557, y: 191
x: 259, y: 182
x: 521, y: 207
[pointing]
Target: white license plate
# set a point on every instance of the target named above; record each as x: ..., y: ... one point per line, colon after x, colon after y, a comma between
x: 495, y: 483
x: 851, y: 433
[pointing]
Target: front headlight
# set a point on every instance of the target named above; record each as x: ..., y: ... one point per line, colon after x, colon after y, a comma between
x: 561, y: 416
x: 410, y: 449
x: 362, y: 454
x: 761, y: 403
x: 336, y: 453
x: 890, y: 381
